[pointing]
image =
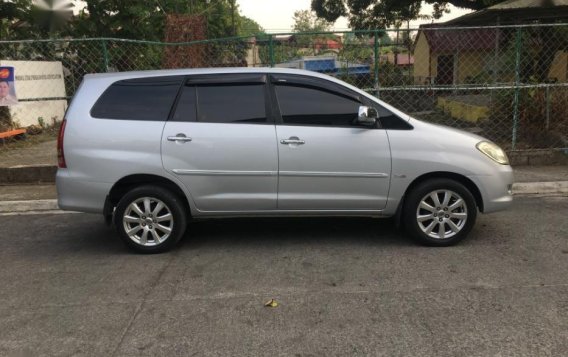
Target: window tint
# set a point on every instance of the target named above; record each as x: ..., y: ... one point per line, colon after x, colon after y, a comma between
x: 186, y: 109
x: 310, y: 106
x: 231, y: 104
x: 138, y: 99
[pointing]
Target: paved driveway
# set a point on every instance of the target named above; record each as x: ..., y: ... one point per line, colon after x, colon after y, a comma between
x: 345, y: 287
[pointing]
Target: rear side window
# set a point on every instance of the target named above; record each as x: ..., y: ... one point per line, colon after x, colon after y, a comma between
x: 222, y: 103
x: 231, y: 104
x: 311, y: 106
x: 138, y: 99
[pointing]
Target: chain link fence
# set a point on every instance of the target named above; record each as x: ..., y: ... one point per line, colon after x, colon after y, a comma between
x: 506, y: 83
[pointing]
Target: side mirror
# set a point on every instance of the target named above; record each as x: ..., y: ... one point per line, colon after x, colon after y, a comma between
x: 367, y: 116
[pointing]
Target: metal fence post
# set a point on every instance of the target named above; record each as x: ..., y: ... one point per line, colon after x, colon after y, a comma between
x: 518, y: 40
x: 376, y: 64
x: 547, y: 107
x: 105, y: 55
x: 271, y: 50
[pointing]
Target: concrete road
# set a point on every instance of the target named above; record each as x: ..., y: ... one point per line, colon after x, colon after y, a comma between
x: 345, y: 287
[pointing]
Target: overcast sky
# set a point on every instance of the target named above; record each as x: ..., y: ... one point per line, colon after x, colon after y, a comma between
x: 276, y: 15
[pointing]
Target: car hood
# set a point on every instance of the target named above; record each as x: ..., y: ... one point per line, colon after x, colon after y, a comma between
x: 448, y: 133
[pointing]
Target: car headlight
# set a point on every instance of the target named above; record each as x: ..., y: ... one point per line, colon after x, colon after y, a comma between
x: 493, y: 151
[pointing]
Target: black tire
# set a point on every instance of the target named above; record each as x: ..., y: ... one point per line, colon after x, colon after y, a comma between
x: 172, y: 202
x: 411, y: 211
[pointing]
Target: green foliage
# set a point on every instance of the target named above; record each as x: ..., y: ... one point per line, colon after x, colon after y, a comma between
x: 249, y: 27
x: 303, y: 43
x: 391, y: 75
x: 114, y: 18
x: 27, y: 19
x: 283, y: 51
x: 51, y: 16
x: 537, y: 126
x: 133, y: 19
x: 385, y: 40
x: 371, y: 14
x: 140, y: 19
x: 10, y: 12
x: 356, y: 49
x: 5, y: 119
x: 307, y: 21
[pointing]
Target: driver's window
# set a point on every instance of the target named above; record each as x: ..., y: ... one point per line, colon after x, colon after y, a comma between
x: 301, y: 105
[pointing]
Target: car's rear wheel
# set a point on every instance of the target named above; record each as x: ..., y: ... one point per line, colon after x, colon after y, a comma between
x: 439, y: 212
x: 150, y: 219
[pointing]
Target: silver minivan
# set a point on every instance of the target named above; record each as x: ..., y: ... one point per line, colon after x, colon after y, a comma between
x: 150, y: 150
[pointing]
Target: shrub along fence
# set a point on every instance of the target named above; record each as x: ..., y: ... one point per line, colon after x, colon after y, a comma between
x: 507, y: 83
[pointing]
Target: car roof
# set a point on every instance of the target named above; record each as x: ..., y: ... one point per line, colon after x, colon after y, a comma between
x: 196, y: 71
x: 105, y: 79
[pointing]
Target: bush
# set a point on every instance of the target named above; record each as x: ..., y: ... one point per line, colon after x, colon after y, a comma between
x: 5, y: 119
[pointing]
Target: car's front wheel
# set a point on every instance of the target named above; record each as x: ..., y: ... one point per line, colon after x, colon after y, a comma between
x: 439, y: 212
x: 150, y: 219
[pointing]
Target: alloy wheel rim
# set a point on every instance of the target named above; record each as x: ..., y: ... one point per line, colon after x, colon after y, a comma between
x: 441, y: 214
x: 148, y: 221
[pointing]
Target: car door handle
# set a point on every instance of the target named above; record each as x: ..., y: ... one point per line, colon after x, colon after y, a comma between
x: 292, y: 140
x: 179, y: 138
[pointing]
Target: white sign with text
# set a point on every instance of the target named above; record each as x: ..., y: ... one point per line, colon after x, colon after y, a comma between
x: 41, y: 92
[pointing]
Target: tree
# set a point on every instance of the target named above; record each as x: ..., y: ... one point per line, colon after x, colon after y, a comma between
x: 52, y: 16
x: 121, y: 19
x: 356, y: 49
x: 34, y: 19
x: 133, y: 19
x: 307, y: 21
x: 139, y: 19
x: 249, y: 27
x: 373, y: 14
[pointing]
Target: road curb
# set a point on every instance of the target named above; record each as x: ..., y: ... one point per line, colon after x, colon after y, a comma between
x: 25, y: 206
x: 519, y: 189
x: 27, y: 174
x: 535, y: 188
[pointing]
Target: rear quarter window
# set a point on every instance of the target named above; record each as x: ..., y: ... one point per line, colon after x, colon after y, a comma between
x: 148, y: 99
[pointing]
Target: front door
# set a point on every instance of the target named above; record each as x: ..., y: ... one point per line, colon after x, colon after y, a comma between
x: 222, y: 144
x: 326, y: 161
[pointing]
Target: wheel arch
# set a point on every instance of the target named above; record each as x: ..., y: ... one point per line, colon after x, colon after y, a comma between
x: 125, y: 184
x: 469, y: 184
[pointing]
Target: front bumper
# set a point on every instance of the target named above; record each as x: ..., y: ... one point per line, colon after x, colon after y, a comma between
x: 496, y: 189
